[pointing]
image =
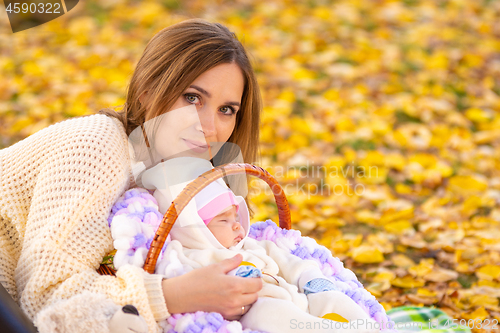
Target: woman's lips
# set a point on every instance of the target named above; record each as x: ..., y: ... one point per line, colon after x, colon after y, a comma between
x: 197, y: 147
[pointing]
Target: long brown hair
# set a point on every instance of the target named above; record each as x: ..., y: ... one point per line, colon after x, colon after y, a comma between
x: 173, y: 59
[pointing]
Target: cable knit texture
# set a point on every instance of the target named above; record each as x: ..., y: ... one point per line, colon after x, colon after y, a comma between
x: 57, y: 188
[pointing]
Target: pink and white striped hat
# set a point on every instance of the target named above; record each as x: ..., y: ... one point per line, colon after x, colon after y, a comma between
x: 216, y: 198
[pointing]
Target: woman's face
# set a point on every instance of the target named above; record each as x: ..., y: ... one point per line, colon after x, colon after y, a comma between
x: 204, y: 114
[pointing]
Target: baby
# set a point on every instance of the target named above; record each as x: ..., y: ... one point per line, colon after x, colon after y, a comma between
x: 227, y: 229
x: 214, y: 226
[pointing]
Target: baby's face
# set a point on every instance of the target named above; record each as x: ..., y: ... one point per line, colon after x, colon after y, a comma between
x: 226, y: 228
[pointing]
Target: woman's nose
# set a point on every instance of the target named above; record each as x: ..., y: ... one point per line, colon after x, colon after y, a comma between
x: 208, y: 123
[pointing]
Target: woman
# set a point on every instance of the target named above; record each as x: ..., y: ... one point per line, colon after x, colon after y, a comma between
x: 58, y: 185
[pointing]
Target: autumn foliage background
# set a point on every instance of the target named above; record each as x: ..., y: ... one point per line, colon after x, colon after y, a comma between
x: 381, y: 118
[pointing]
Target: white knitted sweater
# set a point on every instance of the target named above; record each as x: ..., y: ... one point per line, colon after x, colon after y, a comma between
x: 57, y: 188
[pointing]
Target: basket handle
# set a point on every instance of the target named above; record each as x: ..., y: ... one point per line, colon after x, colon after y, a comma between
x: 199, y: 184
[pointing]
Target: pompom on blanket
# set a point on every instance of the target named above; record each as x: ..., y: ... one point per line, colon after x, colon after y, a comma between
x: 135, y: 217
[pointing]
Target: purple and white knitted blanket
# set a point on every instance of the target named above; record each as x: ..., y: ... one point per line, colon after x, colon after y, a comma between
x: 139, y: 206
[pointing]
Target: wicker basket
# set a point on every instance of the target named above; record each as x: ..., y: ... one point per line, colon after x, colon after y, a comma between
x: 194, y: 188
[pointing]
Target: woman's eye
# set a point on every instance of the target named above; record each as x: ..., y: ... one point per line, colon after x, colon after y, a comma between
x: 228, y: 110
x: 195, y: 99
x: 192, y: 98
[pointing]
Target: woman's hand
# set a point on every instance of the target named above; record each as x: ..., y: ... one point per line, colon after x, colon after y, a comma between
x: 210, y: 289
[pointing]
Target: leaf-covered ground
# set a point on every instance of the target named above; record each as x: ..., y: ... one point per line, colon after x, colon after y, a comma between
x: 381, y: 120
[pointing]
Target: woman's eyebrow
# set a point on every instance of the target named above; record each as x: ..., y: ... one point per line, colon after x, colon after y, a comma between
x: 204, y: 92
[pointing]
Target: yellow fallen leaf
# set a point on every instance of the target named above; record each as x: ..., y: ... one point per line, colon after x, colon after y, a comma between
x: 401, y: 248
x: 424, y: 159
x: 355, y: 241
x: 408, y: 282
x: 328, y: 237
x: 331, y: 222
x: 403, y: 189
x: 483, y: 222
x: 423, y: 268
x: 487, y: 283
x: 337, y: 182
x: 479, y: 313
x: 471, y: 204
x: 485, y: 137
x: 464, y: 267
x: 327, y: 211
x: 416, y: 241
x: 400, y: 138
x: 399, y: 227
x: 78, y: 108
x: 422, y: 300
x: 334, y: 164
x: 483, y: 300
x: 302, y: 74
x: 372, y: 158
x: 21, y: 123
x: 340, y: 246
x: 415, y: 136
x: 460, y: 184
x: 367, y: 254
x: 379, y: 127
x: 391, y: 215
x: 468, y: 253
x: 426, y: 292
x: 488, y: 272
x: 438, y: 60
x: 433, y: 224
x: 439, y: 274
x: 478, y: 115
x: 395, y: 161
x: 345, y: 124
x: 367, y: 216
x: 31, y: 68
x: 332, y: 94
x: 377, y: 288
x: 401, y: 260
x: 287, y: 95
x: 473, y: 60
x: 384, y: 276
x: 382, y: 242
x: 443, y: 169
